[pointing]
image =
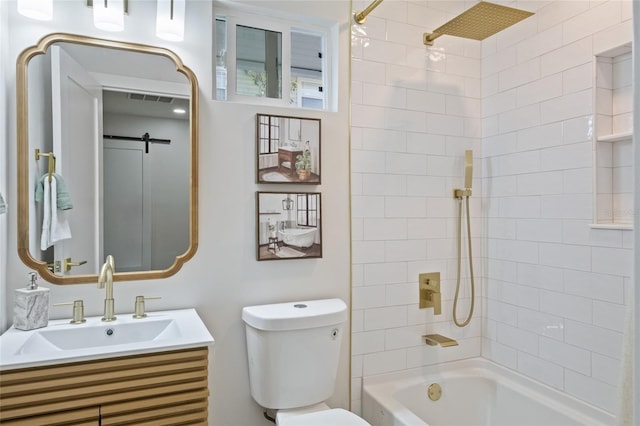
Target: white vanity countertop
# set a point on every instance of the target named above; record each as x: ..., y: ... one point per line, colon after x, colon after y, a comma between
x: 61, y: 342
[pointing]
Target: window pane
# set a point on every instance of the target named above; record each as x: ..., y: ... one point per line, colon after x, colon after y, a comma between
x: 221, y: 59
x: 268, y: 134
x: 258, y: 62
x: 306, y: 69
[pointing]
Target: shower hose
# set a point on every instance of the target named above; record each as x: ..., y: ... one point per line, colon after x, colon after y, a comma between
x: 455, y: 299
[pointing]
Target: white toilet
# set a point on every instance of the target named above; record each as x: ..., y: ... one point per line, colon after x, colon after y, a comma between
x: 293, y: 350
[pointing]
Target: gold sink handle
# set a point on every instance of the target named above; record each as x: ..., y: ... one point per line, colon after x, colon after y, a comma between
x: 139, y: 307
x: 78, y: 311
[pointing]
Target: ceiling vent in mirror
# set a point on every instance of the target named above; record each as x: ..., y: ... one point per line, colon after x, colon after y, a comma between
x: 150, y: 98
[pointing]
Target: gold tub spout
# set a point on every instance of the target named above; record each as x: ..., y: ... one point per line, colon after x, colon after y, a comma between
x: 438, y: 339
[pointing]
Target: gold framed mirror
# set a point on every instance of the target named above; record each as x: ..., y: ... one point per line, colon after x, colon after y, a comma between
x: 104, y: 168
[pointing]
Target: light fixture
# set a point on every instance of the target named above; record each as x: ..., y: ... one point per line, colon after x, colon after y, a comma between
x: 36, y: 9
x: 170, y: 20
x: 287, y: 203
x: 179, y: 111
x: 108, y: 15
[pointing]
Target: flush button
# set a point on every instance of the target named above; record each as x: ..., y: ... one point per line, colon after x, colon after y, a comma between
x: 299, y: 305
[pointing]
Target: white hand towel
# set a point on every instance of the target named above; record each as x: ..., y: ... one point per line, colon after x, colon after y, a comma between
x: 54, y: 223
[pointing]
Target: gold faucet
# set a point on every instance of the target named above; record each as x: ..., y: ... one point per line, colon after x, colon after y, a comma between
x: 438, y: 339
x: 106, y: 279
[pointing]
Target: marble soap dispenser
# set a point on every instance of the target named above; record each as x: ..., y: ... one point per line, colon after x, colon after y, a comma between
x: 32, y: 305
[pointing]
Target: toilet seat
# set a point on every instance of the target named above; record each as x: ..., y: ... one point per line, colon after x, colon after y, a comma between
x: 334, y: 417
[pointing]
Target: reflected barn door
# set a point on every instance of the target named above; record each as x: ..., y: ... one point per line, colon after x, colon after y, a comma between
x: 77, y: 109
x: 126, y: 217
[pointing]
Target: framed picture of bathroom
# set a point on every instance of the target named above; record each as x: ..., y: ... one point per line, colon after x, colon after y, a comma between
x: 288, y: 225
x: 288, y: 149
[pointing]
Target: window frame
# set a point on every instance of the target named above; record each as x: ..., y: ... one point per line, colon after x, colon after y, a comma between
x: 270, y: 139
x: 306, y: 211
x: 285, y: 26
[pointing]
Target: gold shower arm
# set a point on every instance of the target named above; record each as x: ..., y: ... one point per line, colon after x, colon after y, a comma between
x: 428, y: 38
x: 361, y: 16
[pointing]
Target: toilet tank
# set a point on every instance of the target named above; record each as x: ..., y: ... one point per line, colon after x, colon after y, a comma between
x: 293, y: 350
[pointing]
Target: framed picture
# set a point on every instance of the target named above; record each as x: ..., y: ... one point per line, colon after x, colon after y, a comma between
x: 288, y: 149
x: 288, y: 225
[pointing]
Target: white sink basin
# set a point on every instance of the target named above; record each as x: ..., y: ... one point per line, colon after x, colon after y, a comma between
x: 62, y: 342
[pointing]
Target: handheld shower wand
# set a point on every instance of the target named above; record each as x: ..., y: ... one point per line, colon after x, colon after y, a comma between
x: 468, y: 176
x: 460, y: 195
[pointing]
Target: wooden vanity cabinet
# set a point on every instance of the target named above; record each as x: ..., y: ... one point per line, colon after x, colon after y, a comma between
x: 288, y: 156
x: 165, y: 388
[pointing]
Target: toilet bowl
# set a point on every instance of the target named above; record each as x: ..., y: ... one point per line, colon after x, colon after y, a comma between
x: 319, y: 415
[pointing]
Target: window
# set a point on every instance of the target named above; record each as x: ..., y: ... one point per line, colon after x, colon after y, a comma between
x: 307, y: 210
x: 271, y: 61
x: 268, y: 134
x: 221, y: 54
x: 258, y: 62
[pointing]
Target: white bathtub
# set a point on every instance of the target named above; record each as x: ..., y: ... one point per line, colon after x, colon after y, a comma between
x: 299, y: 237
x: 474, y: 392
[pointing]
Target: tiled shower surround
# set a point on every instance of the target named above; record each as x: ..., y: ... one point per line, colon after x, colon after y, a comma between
x: 551, y: 291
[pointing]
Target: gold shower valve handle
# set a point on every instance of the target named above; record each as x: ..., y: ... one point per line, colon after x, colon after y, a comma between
x: 430, y: 296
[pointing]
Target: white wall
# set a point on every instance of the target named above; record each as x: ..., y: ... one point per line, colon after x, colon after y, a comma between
x: 224, y: 275
x: 556, y: 289
x: 553, y: 290
x: 415, y: 111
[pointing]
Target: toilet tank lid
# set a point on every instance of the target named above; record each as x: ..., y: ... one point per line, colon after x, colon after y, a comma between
x: 296, y: 315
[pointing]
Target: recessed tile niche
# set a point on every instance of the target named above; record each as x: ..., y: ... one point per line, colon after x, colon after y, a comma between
x: 613, y: 166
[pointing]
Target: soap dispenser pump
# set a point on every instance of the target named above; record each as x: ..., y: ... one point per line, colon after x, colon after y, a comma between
x: 31, y: 308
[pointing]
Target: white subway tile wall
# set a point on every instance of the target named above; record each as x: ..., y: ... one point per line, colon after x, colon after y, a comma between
x: 551, y: 290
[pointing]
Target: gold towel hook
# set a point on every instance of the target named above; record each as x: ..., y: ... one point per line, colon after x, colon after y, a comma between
x: 52, y: 161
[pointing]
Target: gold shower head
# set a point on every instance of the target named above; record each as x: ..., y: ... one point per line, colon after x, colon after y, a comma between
x: 479, y: 22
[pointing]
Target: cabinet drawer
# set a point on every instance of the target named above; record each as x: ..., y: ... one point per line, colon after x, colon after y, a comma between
x: 166, y: 379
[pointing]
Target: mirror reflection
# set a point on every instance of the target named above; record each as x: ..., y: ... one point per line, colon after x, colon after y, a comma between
x: 119, y: 121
